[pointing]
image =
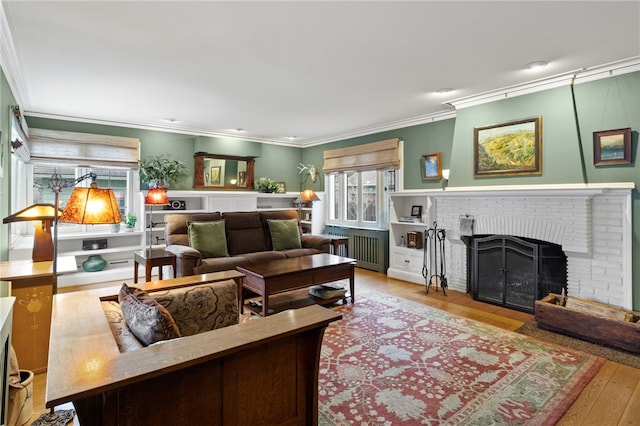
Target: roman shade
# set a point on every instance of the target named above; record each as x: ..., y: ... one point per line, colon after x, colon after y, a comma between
x: 372, y: 156
x: 83, y: 148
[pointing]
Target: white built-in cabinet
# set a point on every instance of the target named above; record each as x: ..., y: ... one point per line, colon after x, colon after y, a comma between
x: 406, y: 263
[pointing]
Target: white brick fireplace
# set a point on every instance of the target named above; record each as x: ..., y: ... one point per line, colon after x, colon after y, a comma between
x: 592, y: 223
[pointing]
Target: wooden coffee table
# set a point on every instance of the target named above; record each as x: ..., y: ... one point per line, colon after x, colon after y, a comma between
x: 284, y: 275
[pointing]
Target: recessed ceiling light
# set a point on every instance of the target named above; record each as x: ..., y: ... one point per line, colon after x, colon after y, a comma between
x: 291, y: 137
x: 444, y: 91
x: 536, y: 65
x: 239, y: 130
x: 169, y: 120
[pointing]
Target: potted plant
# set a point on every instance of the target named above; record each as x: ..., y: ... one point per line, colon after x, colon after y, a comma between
x: 130, y: 222
x: 161, y: 170
x: 265, y: 184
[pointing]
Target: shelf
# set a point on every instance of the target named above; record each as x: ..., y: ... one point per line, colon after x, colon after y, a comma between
x: 101, y: 251
x: 418, y: 224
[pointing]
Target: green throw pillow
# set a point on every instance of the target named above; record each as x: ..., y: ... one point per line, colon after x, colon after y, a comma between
x: 284, y: 234
x: 209, y: 238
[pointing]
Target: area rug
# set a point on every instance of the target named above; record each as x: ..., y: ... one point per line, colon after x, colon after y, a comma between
x: 530, y: 328
x: 58, y: 418
x: 391, y: 361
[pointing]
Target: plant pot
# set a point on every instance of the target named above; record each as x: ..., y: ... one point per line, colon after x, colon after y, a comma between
x: 115, y: 228
x: 20, y: 406
x: 129, y: 229
x: 94, y: 263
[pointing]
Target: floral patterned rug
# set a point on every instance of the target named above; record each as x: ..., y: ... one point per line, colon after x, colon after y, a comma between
x: 391, y: 361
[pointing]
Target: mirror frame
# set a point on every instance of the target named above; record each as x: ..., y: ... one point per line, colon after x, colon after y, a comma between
x: 198, y: 171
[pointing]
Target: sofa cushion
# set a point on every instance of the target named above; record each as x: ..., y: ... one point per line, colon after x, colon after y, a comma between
x: 276, y: 214
x: 284, y: 234
x: 175, y: 229
x: 147, y: 319
x: 125, y: 339
x: 244, y: 232
x: 201, y: 308
x: 209, y: 238
x: 264, y: 256
x: 217, y: 264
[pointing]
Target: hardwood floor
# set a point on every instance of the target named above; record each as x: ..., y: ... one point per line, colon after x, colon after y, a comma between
x: 611, y: 398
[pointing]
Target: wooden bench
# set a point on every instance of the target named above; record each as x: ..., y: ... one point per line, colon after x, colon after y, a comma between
x: 260, y: 371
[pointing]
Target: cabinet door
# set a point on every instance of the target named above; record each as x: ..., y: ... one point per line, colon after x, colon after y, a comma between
x: 407, y: 259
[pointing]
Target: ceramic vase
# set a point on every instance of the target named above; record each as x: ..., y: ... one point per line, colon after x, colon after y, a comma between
x: 94, y: 263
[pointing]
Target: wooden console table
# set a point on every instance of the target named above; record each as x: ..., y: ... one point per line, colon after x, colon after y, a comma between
x: 32, y: 286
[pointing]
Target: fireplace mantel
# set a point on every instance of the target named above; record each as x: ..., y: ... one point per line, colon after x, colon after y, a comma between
x: 558, y: 190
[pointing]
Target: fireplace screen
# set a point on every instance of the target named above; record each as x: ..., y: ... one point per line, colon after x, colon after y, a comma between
x: 515, y: 272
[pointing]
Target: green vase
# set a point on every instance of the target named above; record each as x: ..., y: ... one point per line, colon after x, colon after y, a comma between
x: 94, y: 263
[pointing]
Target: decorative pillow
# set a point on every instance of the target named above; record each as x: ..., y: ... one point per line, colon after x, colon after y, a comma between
x: 149, y: 321
x: 209, y: 238
x: 284, y: 234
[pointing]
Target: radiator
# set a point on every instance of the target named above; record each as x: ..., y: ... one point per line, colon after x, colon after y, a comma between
x: 370, y: 247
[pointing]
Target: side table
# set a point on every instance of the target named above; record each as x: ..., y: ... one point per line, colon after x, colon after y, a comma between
x: 336, y: 242
x: 151, y: 258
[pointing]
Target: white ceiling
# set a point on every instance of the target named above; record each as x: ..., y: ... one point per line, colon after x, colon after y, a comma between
x: 319, y: 71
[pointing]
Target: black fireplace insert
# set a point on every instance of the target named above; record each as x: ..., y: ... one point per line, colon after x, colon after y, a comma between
x: 514, y: 272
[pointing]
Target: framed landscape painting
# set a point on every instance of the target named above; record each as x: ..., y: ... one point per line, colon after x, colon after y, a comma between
x: 611, y: 147
x: 508, y: 149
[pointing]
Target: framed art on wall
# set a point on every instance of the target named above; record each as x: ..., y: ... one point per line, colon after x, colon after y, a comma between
x: 612, y: 147
x: 431, y: 166
x: 281, y: 188
x: 215, y: 175
x: 508, y: 149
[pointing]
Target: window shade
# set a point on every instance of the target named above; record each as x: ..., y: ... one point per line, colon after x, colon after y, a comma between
x: 372, y: 156
x: 84, y: 148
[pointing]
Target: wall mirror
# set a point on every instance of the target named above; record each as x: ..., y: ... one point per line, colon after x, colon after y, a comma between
x: 223, y: 172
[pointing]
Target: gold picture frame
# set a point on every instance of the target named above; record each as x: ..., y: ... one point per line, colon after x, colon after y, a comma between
x: 431, y: 166
x: 508, y: 149
x: 282, y: 188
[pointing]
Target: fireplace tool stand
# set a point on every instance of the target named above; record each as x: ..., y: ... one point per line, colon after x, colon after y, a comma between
x: 434, y: 259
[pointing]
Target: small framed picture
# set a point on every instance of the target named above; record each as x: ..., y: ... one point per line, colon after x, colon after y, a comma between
x: 281, y: 188
x: 612, y: 147
x: 416, y: 211
x: 431, y: 166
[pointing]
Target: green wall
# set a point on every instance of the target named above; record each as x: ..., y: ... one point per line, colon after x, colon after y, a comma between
x: 417, y: 140
x: 277, y: 162
x: 7, y: 100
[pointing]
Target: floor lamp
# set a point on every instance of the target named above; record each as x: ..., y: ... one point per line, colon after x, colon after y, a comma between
x: 155, y: 197
x: 92, y: 206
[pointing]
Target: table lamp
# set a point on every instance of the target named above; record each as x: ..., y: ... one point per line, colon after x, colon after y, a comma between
x: 155, y: 197
x: 42, y: 240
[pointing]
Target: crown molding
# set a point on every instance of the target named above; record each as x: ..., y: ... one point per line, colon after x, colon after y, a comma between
x: 393, y: 125
x: 9, y: 61
x: 581, y: 75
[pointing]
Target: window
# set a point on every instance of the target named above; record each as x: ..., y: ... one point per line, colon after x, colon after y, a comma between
x: 360, y: 198
x: 34, y: 188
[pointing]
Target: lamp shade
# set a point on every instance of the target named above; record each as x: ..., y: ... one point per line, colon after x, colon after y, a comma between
x: 91, y: 205
x: 309, y: 195
x: 157, y: 197
x: 42, y: 242
x: 34, y: 212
